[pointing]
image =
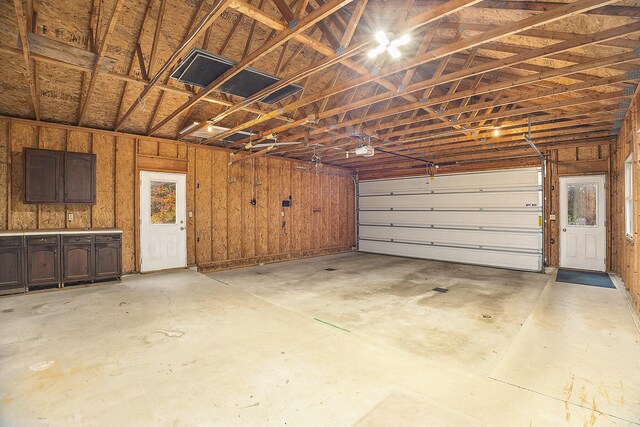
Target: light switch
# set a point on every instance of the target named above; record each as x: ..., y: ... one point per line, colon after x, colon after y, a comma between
x: 190, y: 214
x: 552, y: 217
x: 70, y: 216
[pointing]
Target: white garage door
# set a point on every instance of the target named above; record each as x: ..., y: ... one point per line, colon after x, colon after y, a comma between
x: 485, y: 218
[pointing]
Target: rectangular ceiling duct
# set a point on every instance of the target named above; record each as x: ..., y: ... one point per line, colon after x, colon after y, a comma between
x: 199, y: 68
x: 216, y: 130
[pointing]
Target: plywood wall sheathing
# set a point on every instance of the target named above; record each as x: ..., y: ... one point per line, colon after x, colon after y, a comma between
x: 224, y: 230
x: 626, y: 250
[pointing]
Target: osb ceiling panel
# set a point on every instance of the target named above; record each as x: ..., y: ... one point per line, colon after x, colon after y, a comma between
x: 464, y: 94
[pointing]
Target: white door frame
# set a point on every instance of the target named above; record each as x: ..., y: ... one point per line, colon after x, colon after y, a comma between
x: 599, y: 264
x: 176, y: 231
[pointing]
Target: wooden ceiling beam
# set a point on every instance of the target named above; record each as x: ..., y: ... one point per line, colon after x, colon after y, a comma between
x: 395, y: 162
x: 415, y: 22
x: 557, y: 13
x: 21, y: 21
x: 515, y: 139
x: 147, y: 15
x: 536, y: 33
x: 531, y: 6
x: 515, y: 128
x: 305, y: 23
x: 162, y: 94
x: 350, y: 30
x: 547, y: 121
x: 284, y: 10
x: 497, y: 64
x: 519, y: 98
x: 617, y: 96
x: 111, y: 25
x: 190, y: 40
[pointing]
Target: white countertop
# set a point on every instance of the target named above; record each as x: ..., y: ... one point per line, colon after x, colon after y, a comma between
x: 66, y: 231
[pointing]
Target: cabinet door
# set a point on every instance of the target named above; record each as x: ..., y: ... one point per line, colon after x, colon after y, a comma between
x: 79, y: 178
x: 107, y: 259
x: 42, y: 264
x: 42, y: 176
x: 11, y: 270
x: 77, y: 262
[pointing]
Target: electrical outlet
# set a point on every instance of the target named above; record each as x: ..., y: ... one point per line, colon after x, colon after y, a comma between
x: 190, y: 214
x: 552, y: 217
x: 70, y: 216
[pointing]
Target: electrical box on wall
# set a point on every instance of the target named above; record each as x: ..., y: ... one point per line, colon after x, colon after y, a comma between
x: 286, y: 203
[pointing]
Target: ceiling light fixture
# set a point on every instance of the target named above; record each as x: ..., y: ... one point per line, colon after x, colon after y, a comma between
x: 496, y: 132
x: 387, y: 44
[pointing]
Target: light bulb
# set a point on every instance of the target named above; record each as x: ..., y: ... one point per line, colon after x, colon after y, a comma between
x: 209, y: 127
x: 381, y: 37
x: 393, y: 51
x: 402, y: 40
x: 377, y: 51
x: 496, y: 132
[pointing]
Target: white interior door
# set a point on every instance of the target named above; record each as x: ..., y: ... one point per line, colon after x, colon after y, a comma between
x: 582, y: 222
x: 163, y: 236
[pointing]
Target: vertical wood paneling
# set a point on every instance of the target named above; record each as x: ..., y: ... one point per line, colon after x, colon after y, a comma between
x: 248, y: 211
x: 125, y: 200
x: 23, y: 216
x: 224, y: 227
x: 220, y: 229
x: 204, y: 160
x: 296, y: 210
x: 275, y: 217
x: 148, y: 147
x: 325, y: 200
x: 168, y: 149
x: 4, y: 172
x: 318, y: 211
x: 262, y: 206
x: 190, y: 154
x: 285, y: 192
x: 103, y: 210
x: 234, y: 208
x: 626, y: 249
x: 306, y: 198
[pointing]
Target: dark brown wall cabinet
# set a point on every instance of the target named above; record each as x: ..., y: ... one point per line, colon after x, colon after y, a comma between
x: 79, y: 178
x: 59, y: 177
x: 11, y: 265
x: 33, y: 261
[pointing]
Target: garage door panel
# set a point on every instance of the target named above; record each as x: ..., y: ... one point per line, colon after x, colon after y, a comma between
x: 485, y: 218
x: 476, y: 238
x: 491, y: 258
x: 511, y: 199
x: 498, y: 180
x: 507, y: 220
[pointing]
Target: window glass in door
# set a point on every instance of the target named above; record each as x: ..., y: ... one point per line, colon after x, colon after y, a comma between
x: 582, y: 206
x: 163, y: 202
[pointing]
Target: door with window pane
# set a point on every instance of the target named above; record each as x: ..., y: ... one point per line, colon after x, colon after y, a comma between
x: 583, y: 222
x: 163, y: 237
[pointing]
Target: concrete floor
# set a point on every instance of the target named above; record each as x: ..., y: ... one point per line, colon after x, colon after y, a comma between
x: 244, y: 347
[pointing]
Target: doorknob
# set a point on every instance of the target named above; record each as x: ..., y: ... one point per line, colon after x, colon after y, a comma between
x: 564, y: 229
x: 181, y: 228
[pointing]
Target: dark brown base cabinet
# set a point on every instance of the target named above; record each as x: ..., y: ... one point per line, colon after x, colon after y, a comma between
x: 43, y: 262
x: 11, y: 265
x: 36, y: 261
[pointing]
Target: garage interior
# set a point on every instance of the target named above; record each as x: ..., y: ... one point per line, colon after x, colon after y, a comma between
x: 331, y: 212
